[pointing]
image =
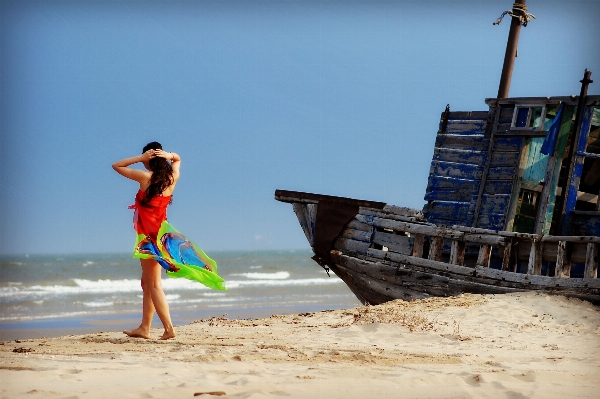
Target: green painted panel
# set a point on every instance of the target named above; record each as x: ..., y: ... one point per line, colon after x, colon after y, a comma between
x: 536, y: 164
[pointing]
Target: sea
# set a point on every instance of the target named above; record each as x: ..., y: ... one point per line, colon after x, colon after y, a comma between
x: 55, y: 295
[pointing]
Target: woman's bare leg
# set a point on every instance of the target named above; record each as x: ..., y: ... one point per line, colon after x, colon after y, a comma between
x: 154, y: 299
x: 151, y: 270
x: 143, y: 331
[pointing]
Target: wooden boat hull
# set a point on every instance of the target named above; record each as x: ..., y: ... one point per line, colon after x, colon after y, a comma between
x: 384, y: 253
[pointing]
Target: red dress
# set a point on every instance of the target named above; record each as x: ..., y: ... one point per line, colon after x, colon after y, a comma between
x: 148, y: 218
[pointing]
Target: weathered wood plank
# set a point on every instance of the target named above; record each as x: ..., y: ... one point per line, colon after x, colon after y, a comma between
x: 505, y: 158
x: 563, y: 262
x: 498, y: 187
x: 435, y: 248
x: 506, y: 113
x: 357, y: 235
x: 306, y: 214
x: 530, y: 280
x: 402, y: 211
x: 439, y: 182
x: 466, y: 126
x: 422, y: 282
x: 591, y: 261
x: 494, y: 203
x: 409, y: 227
x: 501, y: 173
x: 394, y: 242
x: 419, y: 241
x: 506, y: 266
x: 491, y: 220
x: 293, y: 200
x: 456, y: 170
x: 351, y: 246
x: 449, y: 194
x: 534, y: 267
x: 475, y: 142
x: 507, y: 143
x: 483, y: 259
x: 489, y: 239
x: 511, y: 234
x: 389, y: 289
x: 583, y: 239
x: 466, y: 115
x: 458, y: 156
x: 356, y: 225
x: 457, y: 253
x: 452, y: 212
x: 408, y: 219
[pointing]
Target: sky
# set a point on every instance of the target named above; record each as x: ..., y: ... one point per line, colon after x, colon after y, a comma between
x: 331, y: 97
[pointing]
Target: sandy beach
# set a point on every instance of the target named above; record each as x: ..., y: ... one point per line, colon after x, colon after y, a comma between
x: 494, y: 346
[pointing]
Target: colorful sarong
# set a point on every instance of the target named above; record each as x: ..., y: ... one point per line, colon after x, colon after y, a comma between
x: 157, y: 239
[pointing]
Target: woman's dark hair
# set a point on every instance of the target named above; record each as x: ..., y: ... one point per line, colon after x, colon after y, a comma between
x: 162, y: 174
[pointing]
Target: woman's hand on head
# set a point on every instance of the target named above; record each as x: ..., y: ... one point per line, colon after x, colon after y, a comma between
x: 162, y: 154
x: 148, y: 155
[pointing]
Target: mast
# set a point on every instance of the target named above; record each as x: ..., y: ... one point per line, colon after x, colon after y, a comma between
x: 520, y: 16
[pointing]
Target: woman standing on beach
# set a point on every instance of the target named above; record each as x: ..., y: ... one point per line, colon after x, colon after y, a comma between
x: 158, y: 244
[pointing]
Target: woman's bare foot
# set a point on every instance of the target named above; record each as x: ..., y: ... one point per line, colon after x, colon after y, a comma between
x: 138, y: 333
x: 168, y: 335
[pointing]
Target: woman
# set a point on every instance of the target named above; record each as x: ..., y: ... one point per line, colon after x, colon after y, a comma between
x: 158, y: 244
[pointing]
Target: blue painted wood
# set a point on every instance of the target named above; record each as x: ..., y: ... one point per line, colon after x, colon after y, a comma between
x: 439, y: 182
x: 585, y: 225
x: 502, y: 158
x: 456, y: 155
x: 498, y: 187
x: 471, y: 115
x: 507, y: 143
x: 455, y: 212
x: 496, y: 204
x: 466, y: 127
x: 457, y: 170
x: 473, y: 142
x: 492, y: 221
x: 536, y: 163
x: 571, y: 199
x: 500, y: 173
x: 449, y: 194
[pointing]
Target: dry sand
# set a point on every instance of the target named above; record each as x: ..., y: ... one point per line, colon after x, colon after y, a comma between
x: 492, y: 346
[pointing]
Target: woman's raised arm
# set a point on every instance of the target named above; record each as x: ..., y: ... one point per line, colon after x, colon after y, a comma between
x: 121, y: 167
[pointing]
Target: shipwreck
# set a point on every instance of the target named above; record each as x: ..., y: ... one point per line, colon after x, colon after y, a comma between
x: 511, y: 205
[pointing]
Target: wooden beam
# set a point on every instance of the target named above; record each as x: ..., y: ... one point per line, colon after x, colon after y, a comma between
x: 534, y: 266
x: 357, y: 235
x: 591, y: 261
x: 483, y: 259
x: 531, y: 280
x: 506, y: 255
x: 419, y: 240
x: 431, y: 230
x: 571, y: 239
x: 457, y: 253
x: 563, y: 261
x: 435, y: 248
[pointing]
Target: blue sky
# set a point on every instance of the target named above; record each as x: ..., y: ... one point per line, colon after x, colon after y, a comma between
x: 333, y: 97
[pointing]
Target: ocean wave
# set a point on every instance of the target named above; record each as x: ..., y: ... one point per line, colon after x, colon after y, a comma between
x: 97, y: 304
x: 281, y: 283
x: 82, y: 286
x: 264, y: 276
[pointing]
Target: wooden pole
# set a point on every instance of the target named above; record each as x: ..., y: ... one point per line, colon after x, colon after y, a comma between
x: 510, y: 55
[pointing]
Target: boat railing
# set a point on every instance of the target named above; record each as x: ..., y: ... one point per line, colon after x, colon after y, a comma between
x: 408, y: 239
